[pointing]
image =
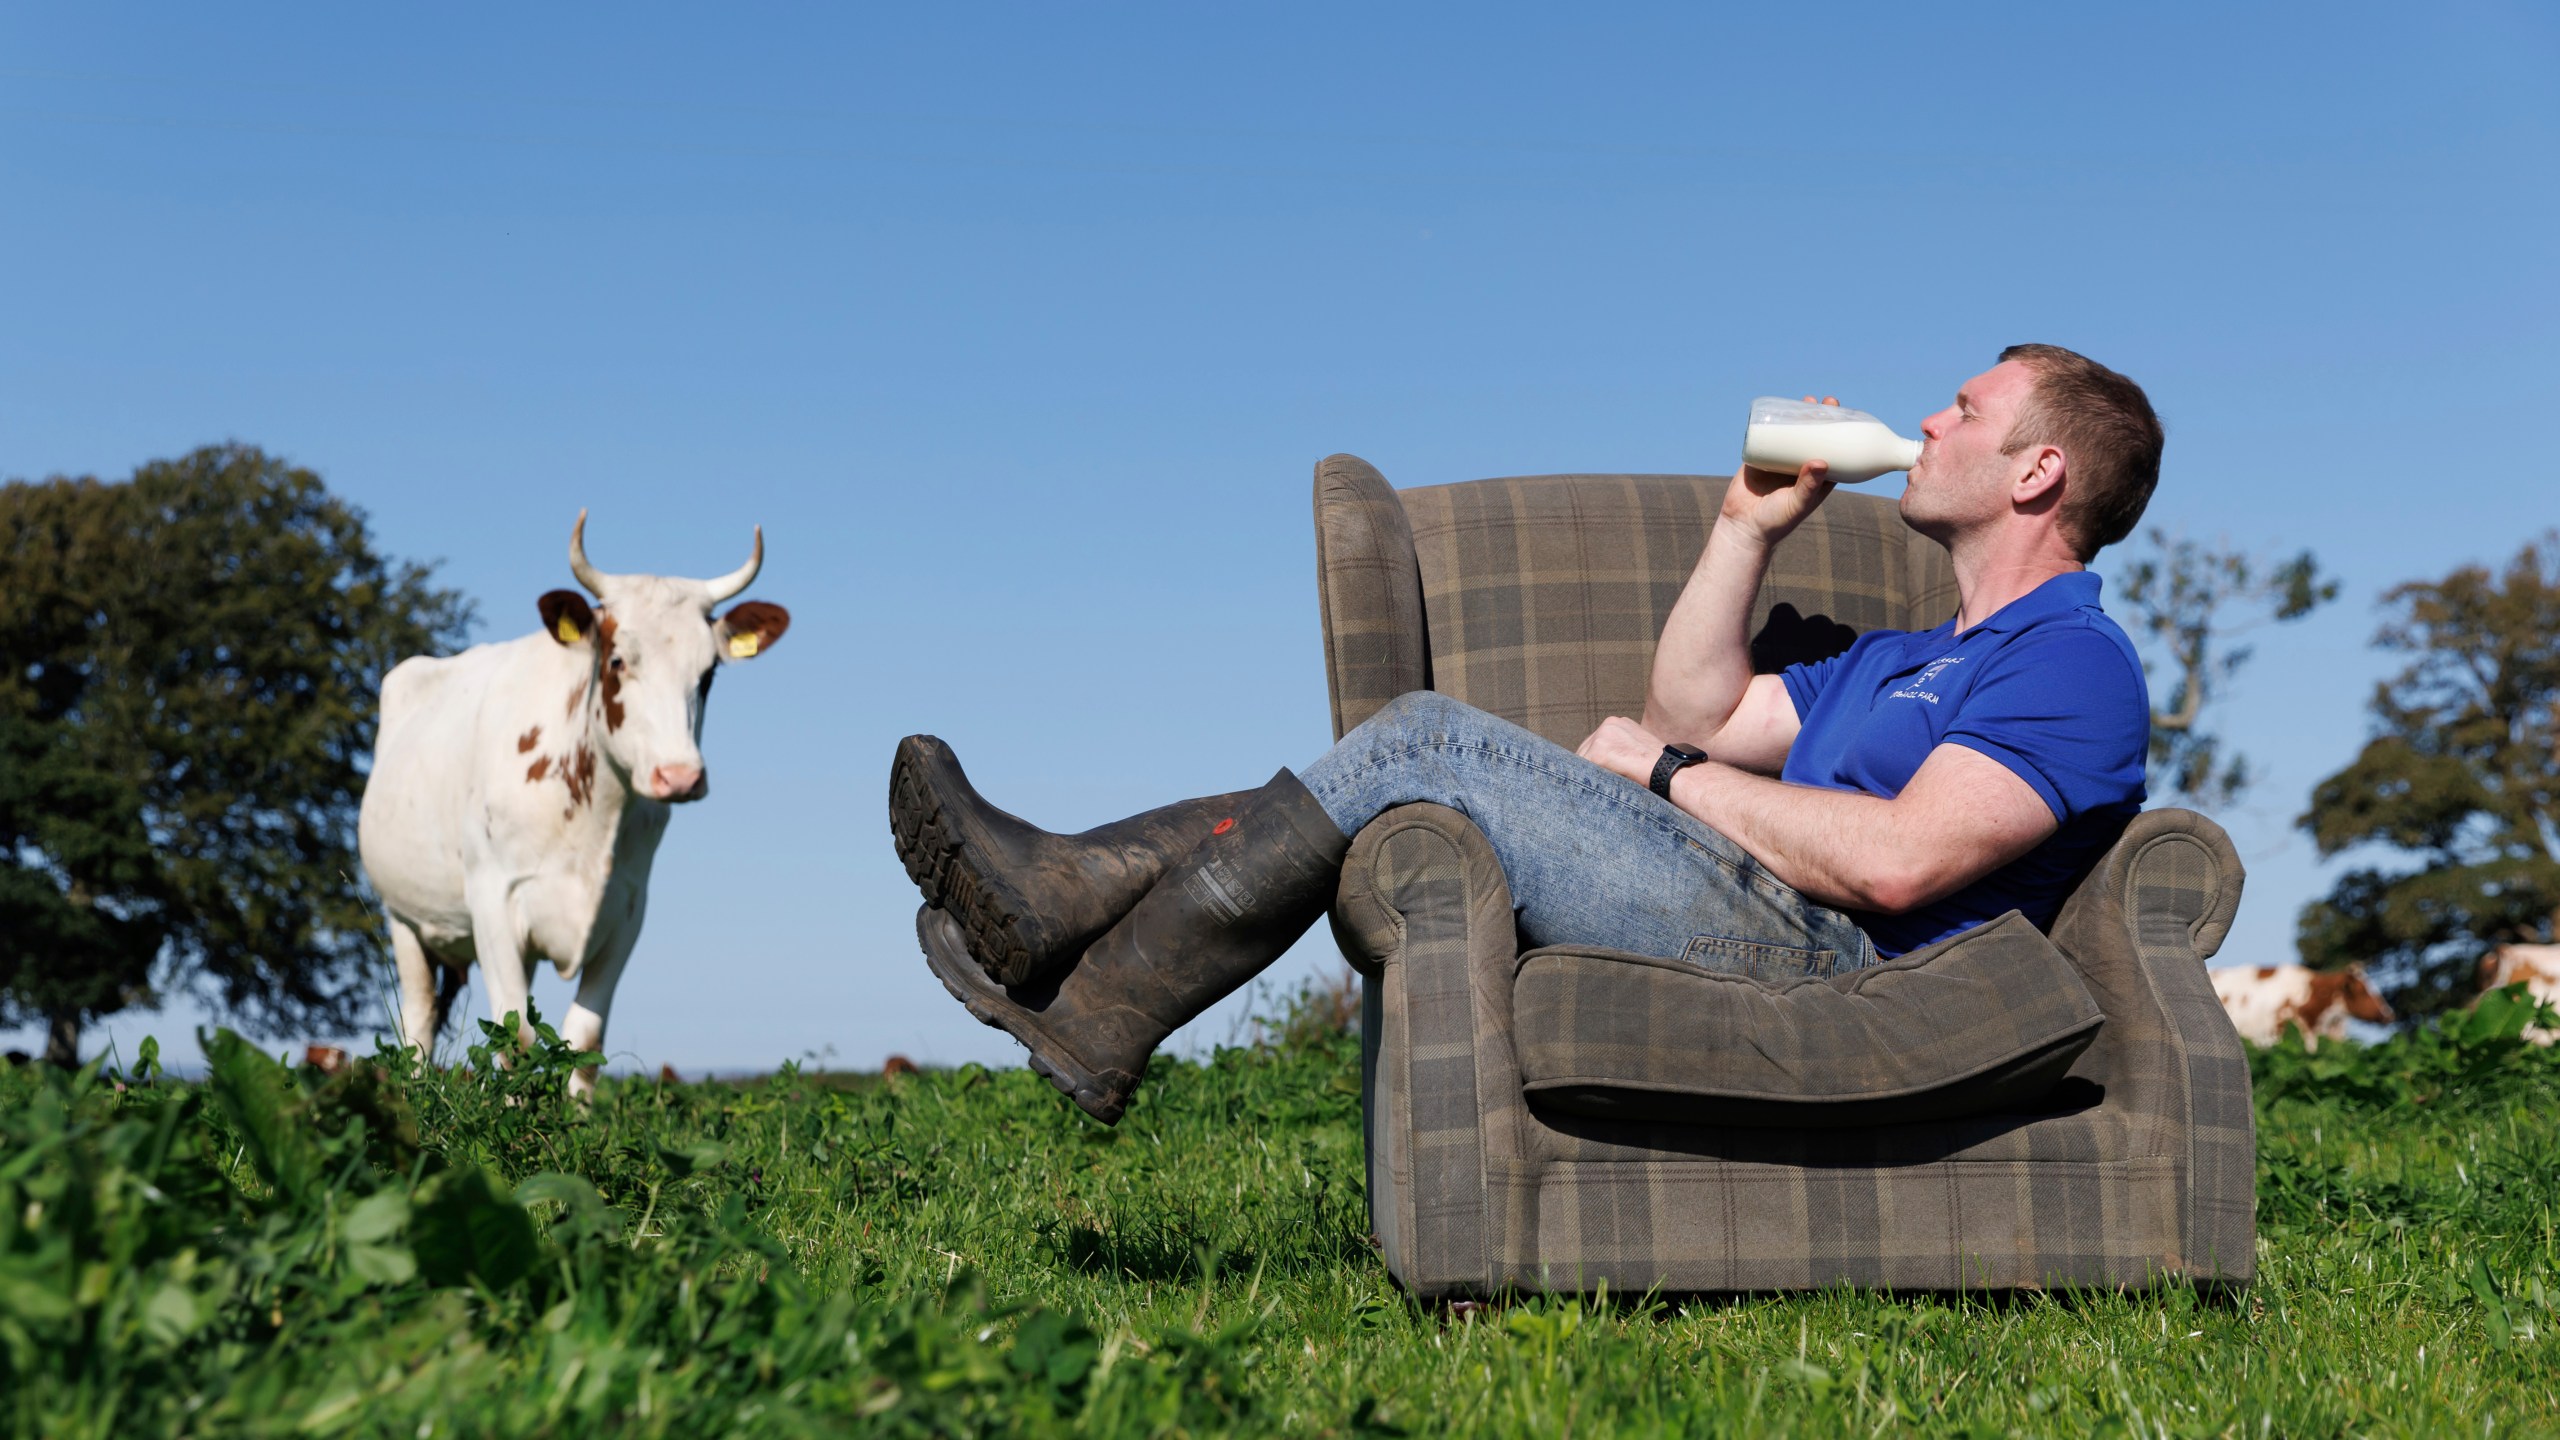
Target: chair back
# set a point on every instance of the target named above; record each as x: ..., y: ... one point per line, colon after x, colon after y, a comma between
x: 1539, y: 598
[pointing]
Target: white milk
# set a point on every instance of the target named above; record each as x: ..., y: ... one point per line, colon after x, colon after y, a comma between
x: 1784, y: 434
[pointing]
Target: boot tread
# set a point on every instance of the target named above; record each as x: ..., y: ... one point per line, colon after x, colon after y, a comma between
x: 935, y: 852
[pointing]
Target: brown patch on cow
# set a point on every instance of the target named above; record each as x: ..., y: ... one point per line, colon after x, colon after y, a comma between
x: 612, y: 677
x: 540, y: 767
x: 528, y: 740
x: 2363, y: 1002
x: 579, y: 774
x: 2266, y: 972
x: 898, y: 1065
x: 2322, y: 992
x: 667, y: 1075
x: 327, y: 1059
x: 2329, y: 991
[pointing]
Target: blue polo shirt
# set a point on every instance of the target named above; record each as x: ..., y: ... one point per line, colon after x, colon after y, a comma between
x: 2047, y: 686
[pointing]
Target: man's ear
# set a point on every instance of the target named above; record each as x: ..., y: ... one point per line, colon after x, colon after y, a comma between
x: 749, y: 630
x: 2043, y: 478
x: 565, y: 616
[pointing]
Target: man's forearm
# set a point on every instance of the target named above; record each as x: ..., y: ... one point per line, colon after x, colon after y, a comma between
x: 1703, y: 663
x: 1836, y: 846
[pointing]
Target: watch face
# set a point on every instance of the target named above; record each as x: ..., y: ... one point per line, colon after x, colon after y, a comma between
x: 1686, y: 751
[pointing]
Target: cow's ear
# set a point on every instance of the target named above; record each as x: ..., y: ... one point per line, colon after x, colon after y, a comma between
x: 566, y: 618
x: 749, y: 630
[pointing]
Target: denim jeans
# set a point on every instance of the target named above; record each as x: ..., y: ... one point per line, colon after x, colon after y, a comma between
x: 1592, y: 858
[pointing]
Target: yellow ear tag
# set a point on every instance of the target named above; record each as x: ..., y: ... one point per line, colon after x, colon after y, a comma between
x: 744, y: 647
x: 568, y: 631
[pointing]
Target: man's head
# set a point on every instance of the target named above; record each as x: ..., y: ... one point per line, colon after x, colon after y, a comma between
x: 2046, y: 431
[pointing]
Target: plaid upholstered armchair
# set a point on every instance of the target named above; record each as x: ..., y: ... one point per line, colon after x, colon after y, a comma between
x: 2000, y: 1110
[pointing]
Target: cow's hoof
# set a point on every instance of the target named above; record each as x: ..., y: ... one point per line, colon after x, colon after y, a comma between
x: 1102, y: 1094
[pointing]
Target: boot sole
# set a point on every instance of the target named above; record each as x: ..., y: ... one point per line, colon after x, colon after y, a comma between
x: 947, y: 955
x: 935, y: 851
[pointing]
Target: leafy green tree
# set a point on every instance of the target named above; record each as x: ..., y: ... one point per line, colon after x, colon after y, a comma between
x: 2460, y: 777
x: 189, y: 665
x: 2187, y: 601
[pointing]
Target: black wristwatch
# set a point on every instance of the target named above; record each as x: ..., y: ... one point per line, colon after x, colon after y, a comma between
x: 1676, y: 757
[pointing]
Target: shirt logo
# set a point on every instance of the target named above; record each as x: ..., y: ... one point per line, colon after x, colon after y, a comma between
x: 1919, y: 689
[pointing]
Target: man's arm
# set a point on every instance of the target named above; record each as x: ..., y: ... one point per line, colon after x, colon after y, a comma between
x: 1962, y: 816
x: 1701, y: 689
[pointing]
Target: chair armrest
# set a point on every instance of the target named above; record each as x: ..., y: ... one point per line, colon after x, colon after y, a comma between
x: 2140, y: 928
x: 1425, y: 915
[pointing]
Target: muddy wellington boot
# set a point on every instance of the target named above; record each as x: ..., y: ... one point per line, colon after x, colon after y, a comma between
x: 1218, y: 917
x: 1027, y: 901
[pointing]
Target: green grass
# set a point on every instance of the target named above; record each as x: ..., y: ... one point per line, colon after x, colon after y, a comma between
x: 455, y: 1254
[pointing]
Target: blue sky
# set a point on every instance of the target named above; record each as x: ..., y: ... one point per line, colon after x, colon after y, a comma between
x: 1019, y: 329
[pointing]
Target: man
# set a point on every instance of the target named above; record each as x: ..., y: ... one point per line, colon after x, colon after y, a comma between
x: 1803, y: 823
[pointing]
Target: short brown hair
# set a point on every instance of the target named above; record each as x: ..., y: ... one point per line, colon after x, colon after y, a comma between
x: 2109, y: 436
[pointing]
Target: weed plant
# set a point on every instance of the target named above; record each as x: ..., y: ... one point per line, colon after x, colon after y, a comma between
x: 396, y: 1250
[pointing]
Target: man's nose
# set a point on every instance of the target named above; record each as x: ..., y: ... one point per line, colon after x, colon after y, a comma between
x: 679, y: 782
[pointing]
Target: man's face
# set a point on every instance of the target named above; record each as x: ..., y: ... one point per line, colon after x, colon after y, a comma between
x: 1962, y: 479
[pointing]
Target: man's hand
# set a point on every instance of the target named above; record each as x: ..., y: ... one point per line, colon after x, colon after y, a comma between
x: 1623, y: 747
x: 1769, y: 503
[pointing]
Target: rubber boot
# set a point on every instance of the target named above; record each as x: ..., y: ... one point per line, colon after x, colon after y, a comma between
x: 1027, y: 901
x: 1221, y: 915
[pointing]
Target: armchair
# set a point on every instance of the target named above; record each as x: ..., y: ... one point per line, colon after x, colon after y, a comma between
x: 1491, y: 1169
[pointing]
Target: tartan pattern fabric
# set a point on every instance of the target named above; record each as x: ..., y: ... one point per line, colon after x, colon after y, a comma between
x: 1370, y: 588
x: 1543, y: 596
x: 1722, y: 1226
x: 1990, y: 1017
x: 2156, y: 908
x: 1447, y: 1115
x: 1539, y: 599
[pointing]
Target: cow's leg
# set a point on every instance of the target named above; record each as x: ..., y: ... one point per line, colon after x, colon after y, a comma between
x: 585, y: 1027
x: 502, y: 966
x: 420, y: 1016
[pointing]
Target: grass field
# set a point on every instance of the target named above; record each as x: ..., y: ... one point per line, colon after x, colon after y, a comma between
x: 454, y: 1254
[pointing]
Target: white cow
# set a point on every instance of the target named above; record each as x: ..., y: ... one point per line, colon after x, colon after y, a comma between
x: 519, y: 789
x: 2263, y: 999
x: 2537, y: 968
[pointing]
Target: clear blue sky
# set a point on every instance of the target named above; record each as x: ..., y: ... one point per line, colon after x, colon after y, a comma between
x: 1019, y: 330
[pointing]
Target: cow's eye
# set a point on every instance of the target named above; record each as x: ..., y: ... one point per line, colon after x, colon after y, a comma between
x: 616, y: 662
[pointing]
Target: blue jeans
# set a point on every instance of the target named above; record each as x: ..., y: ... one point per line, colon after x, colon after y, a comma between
x: 1592, y: 858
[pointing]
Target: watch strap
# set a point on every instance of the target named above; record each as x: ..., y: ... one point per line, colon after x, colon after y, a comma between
x: 1674, y: 759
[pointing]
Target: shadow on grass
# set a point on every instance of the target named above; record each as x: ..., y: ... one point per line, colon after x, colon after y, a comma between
x: 1145, y: 1252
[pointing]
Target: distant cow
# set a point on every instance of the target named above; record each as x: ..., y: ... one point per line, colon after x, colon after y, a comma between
x: 2264, y: 1000
x: 2536, y: 968
x: 519, y: 789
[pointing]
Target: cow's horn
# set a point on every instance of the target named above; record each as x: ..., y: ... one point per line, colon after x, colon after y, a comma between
x: 587, y: 574
x: 740, y: 578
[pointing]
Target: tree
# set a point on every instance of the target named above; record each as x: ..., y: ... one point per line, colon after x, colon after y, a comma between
x: 189, y: 665
x: 2460, y: 774
x: 2187, y: 601
x: 76, y: 897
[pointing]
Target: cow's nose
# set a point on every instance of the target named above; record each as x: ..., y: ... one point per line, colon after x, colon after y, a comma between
x: 679, y: 782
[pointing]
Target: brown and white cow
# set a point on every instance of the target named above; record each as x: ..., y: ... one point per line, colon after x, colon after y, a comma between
x: 519, y: 789
x: 2263, y: 1000
x: 2536, y: 968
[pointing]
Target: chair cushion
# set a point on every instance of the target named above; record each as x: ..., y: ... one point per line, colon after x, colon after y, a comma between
x: 1980, y: 1022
